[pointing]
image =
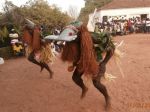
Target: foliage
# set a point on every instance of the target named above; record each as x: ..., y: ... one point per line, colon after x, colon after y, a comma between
x: 4, y: 34
x: 90, y: 5
x: 6, y: 52
x: 103, y: 42
x: 42, y: 14
x: 38, y: 11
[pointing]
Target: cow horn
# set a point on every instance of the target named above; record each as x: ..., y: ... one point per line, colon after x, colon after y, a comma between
x: 29, y: 23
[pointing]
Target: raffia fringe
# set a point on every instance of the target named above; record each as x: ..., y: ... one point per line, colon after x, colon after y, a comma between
x: 46, y: 54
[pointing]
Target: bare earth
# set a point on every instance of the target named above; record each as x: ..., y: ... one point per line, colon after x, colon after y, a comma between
x: 24, y: 89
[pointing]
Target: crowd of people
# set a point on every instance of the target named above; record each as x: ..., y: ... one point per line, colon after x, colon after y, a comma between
x: 124, y: 26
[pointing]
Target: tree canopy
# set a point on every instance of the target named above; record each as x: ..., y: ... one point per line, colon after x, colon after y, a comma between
x: 90, y: 5
x: 38, y: 11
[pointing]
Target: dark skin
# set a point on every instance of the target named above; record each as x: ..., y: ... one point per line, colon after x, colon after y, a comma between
x: 41, y: 64
x: 96, y: 79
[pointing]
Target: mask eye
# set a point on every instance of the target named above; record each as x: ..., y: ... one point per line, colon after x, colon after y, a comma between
x: 70, y: 34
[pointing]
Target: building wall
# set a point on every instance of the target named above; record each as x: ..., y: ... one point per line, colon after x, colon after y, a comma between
x: 128, y: 12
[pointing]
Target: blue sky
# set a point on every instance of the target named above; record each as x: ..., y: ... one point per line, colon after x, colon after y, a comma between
x: 63, y: 4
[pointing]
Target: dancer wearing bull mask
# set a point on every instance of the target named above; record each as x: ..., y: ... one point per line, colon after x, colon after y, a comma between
x: 37, y: 51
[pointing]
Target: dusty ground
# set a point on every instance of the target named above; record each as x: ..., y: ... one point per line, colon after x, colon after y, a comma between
x: 24, y: 89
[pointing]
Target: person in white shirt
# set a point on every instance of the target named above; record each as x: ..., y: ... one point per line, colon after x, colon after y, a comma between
x: 13, y: 36
x: 148, y: 25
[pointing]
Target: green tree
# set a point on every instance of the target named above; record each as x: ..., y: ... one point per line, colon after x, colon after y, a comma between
x: 90, y: 5
x: 41, y: 13
x: 38, y: 11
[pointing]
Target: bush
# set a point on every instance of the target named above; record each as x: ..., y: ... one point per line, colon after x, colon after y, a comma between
x: 5, y: 42
x: 6, y: 52
x: 4, y: 37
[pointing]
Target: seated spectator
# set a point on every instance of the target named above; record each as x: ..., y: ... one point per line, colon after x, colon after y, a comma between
x: 148, y: 25
x: 18, y: 49
x: 13, y: 36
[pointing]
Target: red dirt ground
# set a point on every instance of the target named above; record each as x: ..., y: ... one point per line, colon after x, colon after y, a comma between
x: 24, y: 89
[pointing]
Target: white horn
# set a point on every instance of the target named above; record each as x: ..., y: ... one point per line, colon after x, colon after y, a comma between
x: 29, y: 23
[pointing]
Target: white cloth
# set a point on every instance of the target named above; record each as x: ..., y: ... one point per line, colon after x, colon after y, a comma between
x: 91, y: 22
x: 13, y: 41
x: 1, y: 61
x: 15, y: 35
x: 148, y: 23
x: 55, y: 53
